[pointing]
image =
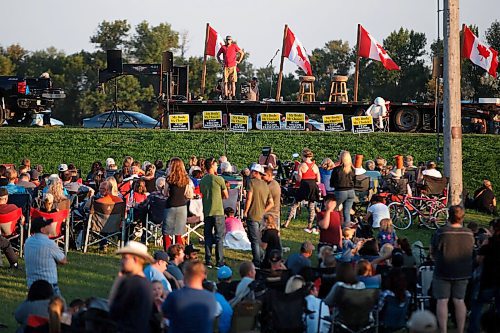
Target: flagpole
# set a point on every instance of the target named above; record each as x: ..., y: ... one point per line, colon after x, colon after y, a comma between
x: 280, y: 76
x: 204, y: 71
x: 356, y: 71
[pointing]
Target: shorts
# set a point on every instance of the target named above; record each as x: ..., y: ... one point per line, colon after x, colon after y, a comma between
x: 230, y: 74
x: 443, y: 289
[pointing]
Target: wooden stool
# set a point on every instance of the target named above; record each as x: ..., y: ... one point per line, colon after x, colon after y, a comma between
x: 338, y: 89
x: 306, y: 89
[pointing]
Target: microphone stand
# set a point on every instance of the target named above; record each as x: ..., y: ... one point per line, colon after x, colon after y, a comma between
x: 270, y: 64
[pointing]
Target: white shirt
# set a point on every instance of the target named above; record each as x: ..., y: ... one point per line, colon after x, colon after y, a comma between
x: 376, y: 111
x: 432, y: 172
x: 379, y: 211
x: 319, y: 311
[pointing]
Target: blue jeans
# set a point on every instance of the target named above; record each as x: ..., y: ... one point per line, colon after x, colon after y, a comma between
x: 214, y: 230
x: 253, y: 231
x: 484, y: 297
x: 347, y: 199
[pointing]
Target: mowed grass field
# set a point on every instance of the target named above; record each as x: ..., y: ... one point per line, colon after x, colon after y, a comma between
x: 92, y: 274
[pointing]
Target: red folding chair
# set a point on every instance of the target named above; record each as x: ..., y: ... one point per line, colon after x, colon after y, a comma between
x: 9, y: 225
x: 60, y: 218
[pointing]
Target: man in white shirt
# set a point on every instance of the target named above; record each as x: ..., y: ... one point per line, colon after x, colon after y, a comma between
x: 377, y: 211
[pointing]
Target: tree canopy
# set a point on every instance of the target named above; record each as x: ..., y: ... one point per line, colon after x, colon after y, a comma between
x: 77, y: 73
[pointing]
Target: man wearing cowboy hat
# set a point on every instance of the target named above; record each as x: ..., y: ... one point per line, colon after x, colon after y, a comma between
x: 131, y: 298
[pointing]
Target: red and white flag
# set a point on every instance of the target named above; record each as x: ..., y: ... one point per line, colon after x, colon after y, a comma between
x: 214, y: 42
x: 479, y: 53
x: 296, y: 53
x: 369, y: 48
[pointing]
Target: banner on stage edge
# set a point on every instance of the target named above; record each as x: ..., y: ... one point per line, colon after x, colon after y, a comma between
x: 212, y: 119
x: 362, y: 124
x: 334, y: 123
x: 238, y: 123
x: 295, y: 121
x: 178, y: 122
x: 270, y: 121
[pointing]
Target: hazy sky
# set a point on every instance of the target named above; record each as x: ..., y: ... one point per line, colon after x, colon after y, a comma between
x: 257, y: 25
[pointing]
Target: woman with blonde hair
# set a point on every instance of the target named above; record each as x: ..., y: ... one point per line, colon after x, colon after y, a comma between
x: 178, y: 190
x: 309, y: 177
x: 114, y: 185
x: 325, y: 171
x: 58, y: 191
x: 342, y: 180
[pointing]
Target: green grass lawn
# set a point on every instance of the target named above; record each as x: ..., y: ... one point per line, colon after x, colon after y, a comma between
x: 92, y: 274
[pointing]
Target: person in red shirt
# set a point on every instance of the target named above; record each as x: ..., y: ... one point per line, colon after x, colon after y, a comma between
x: 230, y: 59
x: 330, y: 224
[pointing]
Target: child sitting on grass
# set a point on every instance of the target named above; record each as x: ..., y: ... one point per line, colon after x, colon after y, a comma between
x: 386, y: 235
x: 350, y: 245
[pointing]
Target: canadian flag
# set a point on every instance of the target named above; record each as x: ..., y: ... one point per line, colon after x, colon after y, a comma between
x: 368, y: 47
x: 214, y: 42
x: 479, y: 53
x: 296, y: 53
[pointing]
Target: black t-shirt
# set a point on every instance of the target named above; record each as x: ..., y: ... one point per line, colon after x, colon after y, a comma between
x: 271, y: 237
x: 227, y: 289
x: 490, y: 276
x: 340, y: 180
x: 452, y: 250
x: 484, y: 200
x: 176, y: 196
x: 132, y: 306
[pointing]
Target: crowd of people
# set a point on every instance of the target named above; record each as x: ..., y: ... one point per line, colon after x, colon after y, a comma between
x: 169, y: 289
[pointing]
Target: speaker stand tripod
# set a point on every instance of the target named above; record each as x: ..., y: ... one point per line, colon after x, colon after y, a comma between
x: 113, y: 117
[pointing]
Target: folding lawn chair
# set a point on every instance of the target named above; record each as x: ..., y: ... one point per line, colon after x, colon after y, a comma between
x: 356, y: 310
x: 60, y: 232
x: 105, y: 222
x: 154, y: 218
x: 11, y: 228
x: 195, y: 221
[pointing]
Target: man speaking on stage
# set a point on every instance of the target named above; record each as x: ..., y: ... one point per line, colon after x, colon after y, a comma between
x: 230, y: 52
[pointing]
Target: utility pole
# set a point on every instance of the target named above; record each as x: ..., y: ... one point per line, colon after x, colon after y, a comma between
x: 451, y: 104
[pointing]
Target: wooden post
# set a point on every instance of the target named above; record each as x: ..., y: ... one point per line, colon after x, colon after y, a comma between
x: 280, y: 75
x: 451, y: 103
x: 204, y: 71
x: 356, y: 70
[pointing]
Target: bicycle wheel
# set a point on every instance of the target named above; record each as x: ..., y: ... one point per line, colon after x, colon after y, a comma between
x: 440, y: 217
x: 400, y: 215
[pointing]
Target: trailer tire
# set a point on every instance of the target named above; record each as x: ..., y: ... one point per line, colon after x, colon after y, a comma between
x: 406, y: 119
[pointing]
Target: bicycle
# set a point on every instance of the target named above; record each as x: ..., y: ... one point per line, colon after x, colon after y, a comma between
x: 431, y: 212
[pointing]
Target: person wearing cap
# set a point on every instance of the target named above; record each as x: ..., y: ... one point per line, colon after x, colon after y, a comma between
x: 422, y: 321
x: 190, y: 254
x: 131, y: 301
x: 154, y: 271
x: 259, y: 201
x: 452, y: 244
x: 62, y: 168
x: 296, y: 262
x: 230, y: 59
x: 42, y: 255
x: 191, y: 308
x: 12, y: 188
x: 213, y: 190
x: 309, y: 178
x: 111, y: 167
x: 226, y: 286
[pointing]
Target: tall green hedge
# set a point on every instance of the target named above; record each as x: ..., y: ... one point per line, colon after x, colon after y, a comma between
x: 52, y: 146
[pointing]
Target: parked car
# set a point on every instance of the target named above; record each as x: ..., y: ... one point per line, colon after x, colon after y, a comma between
x: 126, y: 119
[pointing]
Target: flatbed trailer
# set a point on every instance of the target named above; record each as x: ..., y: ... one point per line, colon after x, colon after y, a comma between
x: 403, y: 117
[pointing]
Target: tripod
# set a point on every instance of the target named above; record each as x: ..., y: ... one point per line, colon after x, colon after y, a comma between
x: 113, y: 117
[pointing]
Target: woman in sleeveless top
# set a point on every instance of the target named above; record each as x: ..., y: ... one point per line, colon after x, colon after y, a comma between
x: 176, y: 211
x: 309, y: 177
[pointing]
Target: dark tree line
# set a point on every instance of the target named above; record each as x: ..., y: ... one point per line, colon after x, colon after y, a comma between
x: 77, y: 72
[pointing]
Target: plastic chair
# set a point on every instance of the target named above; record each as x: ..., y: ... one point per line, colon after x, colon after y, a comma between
x: 105, y: 222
